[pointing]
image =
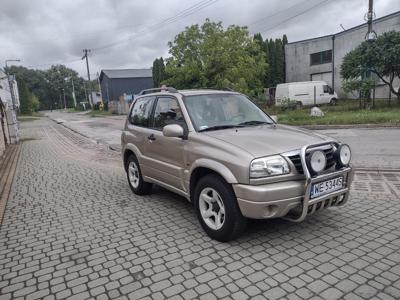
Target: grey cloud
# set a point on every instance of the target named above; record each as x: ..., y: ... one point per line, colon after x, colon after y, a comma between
x: 40, y: 31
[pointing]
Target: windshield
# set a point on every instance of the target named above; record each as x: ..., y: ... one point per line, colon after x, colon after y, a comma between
x: 221, y: 111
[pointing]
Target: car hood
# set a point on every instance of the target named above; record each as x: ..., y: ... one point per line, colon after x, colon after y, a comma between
x: 267, y: 140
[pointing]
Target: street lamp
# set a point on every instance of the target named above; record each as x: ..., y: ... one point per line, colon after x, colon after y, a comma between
x: 8, y: 60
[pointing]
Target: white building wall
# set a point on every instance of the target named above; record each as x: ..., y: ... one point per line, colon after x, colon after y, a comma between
x: 297, y: 59
x: 10, y: 110
x: 297, y: 54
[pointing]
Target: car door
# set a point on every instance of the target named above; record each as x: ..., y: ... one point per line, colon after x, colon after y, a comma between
x: 325, y: 96
x: 166, y: 161
x: 138, y: 128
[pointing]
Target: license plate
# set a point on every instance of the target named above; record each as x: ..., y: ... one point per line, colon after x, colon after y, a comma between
x: 326, y: 187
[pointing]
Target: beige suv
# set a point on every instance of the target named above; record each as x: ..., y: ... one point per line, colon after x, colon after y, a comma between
x: 229, y: 158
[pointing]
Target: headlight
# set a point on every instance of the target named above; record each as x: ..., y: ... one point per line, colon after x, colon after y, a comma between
x: 317, y: 161
x: 343, y: 155
x: 268, y: 166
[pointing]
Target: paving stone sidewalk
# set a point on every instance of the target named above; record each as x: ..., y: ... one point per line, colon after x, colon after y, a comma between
x: 73, y: 229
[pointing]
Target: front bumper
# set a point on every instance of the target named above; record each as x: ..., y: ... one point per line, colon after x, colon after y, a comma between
x: 291, y: 199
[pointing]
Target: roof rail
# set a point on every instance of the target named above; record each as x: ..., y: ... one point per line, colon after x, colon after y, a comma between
x: 159, y: 90
x: 223, y: 89
x: 228, y: 89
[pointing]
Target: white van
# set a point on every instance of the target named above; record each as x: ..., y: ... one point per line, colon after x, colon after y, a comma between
x: 305, y: 93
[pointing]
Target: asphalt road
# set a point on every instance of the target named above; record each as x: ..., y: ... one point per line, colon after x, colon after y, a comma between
x: 372, y: 148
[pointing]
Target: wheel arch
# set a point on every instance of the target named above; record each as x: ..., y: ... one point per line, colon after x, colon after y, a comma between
x: 205, y: 167
x: 129, y: 150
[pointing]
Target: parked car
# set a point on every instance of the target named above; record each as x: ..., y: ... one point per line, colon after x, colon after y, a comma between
x: 224, y: 154
x: 305, y: 93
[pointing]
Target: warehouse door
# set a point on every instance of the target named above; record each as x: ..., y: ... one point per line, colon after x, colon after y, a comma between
x: 326, y: 76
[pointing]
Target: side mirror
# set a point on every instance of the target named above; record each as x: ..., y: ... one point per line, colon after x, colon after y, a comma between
x: 173, y: 130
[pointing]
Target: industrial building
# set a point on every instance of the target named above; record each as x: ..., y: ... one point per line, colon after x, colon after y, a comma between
x: 321, y: 58
x: 116, y: 83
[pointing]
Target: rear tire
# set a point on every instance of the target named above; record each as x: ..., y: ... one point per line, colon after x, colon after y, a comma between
x: 135, y: 178
x: 217, y: 209
x: 333, y: 101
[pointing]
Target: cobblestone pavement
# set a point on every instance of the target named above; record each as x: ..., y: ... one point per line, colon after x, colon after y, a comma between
x: 73, y: 229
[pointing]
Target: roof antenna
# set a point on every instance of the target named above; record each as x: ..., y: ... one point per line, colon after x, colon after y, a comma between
x: 342, y: 27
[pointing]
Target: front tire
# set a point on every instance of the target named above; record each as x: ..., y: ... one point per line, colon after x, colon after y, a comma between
x: 217, y: 209
x: 135, y: 178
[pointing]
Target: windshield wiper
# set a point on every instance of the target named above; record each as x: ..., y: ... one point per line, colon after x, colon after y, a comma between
x: 218, y: 127
x: 254, y: 123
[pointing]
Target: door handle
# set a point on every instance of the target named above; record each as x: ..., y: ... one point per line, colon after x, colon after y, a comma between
x: 151, y: 137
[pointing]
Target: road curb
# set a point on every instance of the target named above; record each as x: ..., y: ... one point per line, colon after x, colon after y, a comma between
x: 98, y: 142
x: 376, y: 170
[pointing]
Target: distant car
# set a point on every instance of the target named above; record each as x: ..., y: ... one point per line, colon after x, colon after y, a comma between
x: 305, y: 93
x: 229, y: 158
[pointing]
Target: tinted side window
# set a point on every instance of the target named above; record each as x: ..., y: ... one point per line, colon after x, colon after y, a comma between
x: 167, y: 112
x: 141, y: 111
x: 326, y: 89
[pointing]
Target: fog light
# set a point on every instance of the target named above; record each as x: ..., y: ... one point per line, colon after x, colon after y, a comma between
x: 317, y: 161
x: 343, y: 155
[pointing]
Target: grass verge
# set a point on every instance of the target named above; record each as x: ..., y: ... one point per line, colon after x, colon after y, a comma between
x: 27, y: 119
x: 345, y: 113
x: 98, y: 113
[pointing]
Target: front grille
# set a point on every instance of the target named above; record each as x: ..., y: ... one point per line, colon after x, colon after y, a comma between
x: 330, y: 160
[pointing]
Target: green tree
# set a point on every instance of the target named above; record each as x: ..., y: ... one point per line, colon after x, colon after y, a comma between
x: 161, y: 70
x: 279, y: 56
x: 47, y: 85
x: 34, y: 80
x: 25, y: 98
x: 284, y: 42
x: 35, y: 103
x: 210, y: 56
x: 156, y: 73
x: 270, y: 44
x: 380, y: 57
x: 58, y: 79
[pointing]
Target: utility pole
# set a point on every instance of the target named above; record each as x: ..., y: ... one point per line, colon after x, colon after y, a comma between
x: 370, y: 37
x: 73, y: 89
x: 73, y: 92
x: 85, y: 56
x: 65, y: 102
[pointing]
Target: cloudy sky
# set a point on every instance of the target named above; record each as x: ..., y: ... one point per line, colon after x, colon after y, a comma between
x: 131, y: 33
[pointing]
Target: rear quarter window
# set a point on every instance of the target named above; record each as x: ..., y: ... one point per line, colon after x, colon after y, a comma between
x: 141, y: 111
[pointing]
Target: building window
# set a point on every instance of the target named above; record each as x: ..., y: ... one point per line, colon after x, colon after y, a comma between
x: 321, y: 57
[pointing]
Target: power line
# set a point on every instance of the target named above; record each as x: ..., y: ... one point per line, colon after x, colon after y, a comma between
x: 292, y: 17
x: 180, y: 15
x: 53, y: 63
x: 276, y: 13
